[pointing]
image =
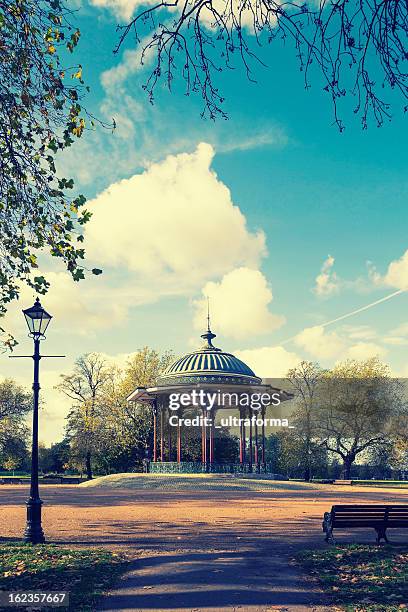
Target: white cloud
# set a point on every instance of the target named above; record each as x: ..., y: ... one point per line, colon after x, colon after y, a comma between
x: 163, y: 232
x: 123, y: 9
x: 330, y: 346
x: 243, y: 12
x: 256, y: 138
x: 398, y: 336
x: 132, y: 61
x: 401, y: 330
x: 365, y: 350
x: 395, y: 340
x: 169, y: 226
x: 397, y: 273
x: 239, y: 305
x: 320, y: 343
x: 327, y: 282
x: 269, y: 362
x: 80, y: 308
x: 360, y: 332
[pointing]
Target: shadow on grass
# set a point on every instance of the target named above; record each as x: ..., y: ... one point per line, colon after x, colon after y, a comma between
x: 375, y: 577
x: 84, y: 573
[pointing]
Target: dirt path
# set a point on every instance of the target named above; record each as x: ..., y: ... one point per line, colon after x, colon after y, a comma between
x: 197, y: 550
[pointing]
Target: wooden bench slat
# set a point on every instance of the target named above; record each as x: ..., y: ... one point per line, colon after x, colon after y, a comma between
x: 378, y: 516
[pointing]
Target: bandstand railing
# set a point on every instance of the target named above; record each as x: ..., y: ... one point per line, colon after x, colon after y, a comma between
x: 196, y: 467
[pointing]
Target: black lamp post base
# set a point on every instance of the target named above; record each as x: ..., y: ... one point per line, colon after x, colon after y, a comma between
x: 33, y: 532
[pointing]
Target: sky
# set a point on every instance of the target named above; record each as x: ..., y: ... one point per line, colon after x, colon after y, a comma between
x: 283, y: 221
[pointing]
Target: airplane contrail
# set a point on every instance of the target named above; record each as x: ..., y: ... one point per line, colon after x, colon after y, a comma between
x: 353, y: 312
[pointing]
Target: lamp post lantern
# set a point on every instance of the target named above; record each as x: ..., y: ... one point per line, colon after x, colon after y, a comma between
x: 38, y: 320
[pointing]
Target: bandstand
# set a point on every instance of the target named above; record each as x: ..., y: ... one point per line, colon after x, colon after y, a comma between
x: 212, y: 371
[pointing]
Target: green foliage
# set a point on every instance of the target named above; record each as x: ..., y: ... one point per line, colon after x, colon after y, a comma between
x: 86, y: 387
x: 54, y: 459
x: 289, y: 453
x: 357, y: 403
x: 85, y: 574
x: 304, y: 381
x: 15, y: 403
x: 369, y: 578
x: 353, y: 410
x: 106, y: 433
x: 143, y: 368
x: 40, y: 115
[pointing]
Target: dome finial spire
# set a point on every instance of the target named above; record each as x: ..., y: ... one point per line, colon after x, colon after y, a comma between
x: 208, y: 336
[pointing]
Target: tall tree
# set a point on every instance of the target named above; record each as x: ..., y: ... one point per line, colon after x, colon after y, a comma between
x: 15, y: 403
x: 40, y: 115
x: 286, y: 450
x: 358, y: 401
x: 143, y: 368
x: 86, y: 387
x: 358, y: 47
x: 104, y: 431
x: 128, y: 428
x: 304, y: 380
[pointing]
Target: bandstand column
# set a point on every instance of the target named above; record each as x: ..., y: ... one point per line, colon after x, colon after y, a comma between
x: 155, y: 430
x: 169, y: 434
x: 161, y: 434
x: 250, y: 439
x: 256, y: 459
x: 179, y: 439
x: 204, y: 438
x: 243, y: 436
x: 212, y: 430
x: 263, y: 436
x: 242, y: 441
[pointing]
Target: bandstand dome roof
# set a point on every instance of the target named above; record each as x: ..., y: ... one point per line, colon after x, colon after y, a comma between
x: 208, y: 365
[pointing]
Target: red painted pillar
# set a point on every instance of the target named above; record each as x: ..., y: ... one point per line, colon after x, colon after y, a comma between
x: 169, y: 434
x: 161, y: 434
x: 263, y: 436
x: 241, y: 439
x: 212, y: 432
x: 243, y: 436
x: 155, y: 430
x: 256, y: 440
x: 250, y: 440
x: 178, y: 440
x: 203, y: 438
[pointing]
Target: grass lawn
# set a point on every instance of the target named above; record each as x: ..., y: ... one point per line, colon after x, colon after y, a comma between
x: 84, y: 573
x: 381, y: 483
x: 360, y: 577
x: 212, y: 482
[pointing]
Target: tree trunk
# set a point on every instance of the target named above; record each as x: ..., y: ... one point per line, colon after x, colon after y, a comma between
x: 347, y: 463
x: 88, y: 466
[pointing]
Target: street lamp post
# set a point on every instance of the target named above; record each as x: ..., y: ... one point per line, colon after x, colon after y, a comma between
x: 38, y: 320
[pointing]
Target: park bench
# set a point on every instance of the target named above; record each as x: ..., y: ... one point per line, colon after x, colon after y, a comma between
x: 51, y: 480
x: 68, y: 480
x: 379, y: 517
